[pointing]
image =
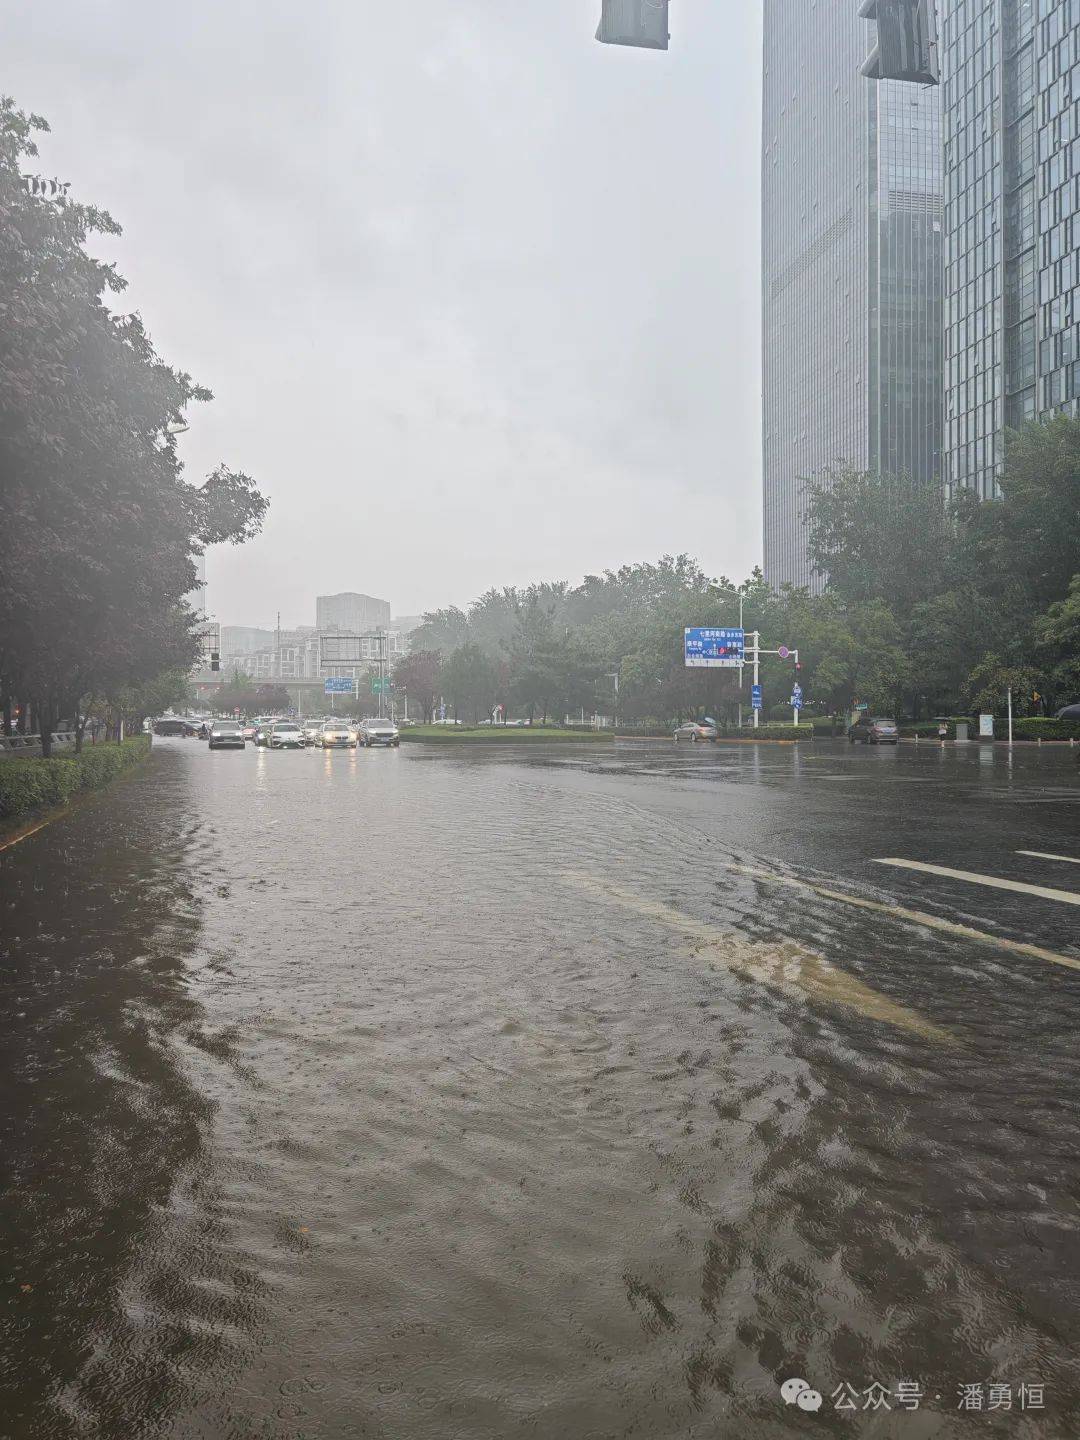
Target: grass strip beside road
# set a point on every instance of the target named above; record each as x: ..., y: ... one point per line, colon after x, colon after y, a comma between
x: 501, y: 734
x: 30, y: 787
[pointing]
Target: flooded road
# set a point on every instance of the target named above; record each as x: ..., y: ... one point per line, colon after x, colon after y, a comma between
x: 553, y: 1092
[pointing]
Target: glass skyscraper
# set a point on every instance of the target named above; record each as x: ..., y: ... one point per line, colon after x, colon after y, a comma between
x: 852, y: 256
x: 1011, y: 93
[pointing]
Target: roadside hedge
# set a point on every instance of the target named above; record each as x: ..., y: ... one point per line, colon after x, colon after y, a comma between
x: 1038, y: 727
x: 35, y: 784
x: 499, y: 734
x: 769, y: 731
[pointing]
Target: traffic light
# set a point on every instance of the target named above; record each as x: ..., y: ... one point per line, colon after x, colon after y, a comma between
x: 905, y: 46
x: 634, y: 22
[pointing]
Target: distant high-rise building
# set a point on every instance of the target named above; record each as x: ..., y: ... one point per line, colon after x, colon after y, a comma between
x: 244, y: 639
x: 1011, y: 83
x: 355, y: 614
x: 852, y: 249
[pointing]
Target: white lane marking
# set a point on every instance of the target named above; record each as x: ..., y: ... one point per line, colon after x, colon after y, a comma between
x: 993, y: 882
x: 915, y: 917
x: 782, y: 963
x: 1044, y: 855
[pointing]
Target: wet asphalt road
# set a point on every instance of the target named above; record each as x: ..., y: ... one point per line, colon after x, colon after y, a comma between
x: 553, y: 1092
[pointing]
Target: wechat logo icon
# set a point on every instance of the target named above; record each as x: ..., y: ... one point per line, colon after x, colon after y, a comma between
x: 798, y: 1392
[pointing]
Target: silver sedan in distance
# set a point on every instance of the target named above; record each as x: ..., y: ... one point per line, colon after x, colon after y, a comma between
x: 336, y: 735
x: 696, y: 730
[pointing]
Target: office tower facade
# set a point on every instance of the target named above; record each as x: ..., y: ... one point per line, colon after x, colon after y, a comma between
x: 354, y: 614
x: 852, y: 253
x: 1011, y: 93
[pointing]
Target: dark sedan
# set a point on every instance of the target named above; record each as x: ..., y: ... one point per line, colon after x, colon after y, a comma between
x: 1069, y: 712
x: 171, y: 726
x: 226, y: 735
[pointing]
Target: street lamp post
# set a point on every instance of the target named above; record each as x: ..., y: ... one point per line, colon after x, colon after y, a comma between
x: 614, y: 675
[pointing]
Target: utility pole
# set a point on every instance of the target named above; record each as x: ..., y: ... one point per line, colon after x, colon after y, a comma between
x: 614, y: 675
x: 278, y: 646
x: 741, y: 667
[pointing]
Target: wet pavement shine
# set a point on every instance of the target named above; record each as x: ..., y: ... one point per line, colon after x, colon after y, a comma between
x: 545, y: 1092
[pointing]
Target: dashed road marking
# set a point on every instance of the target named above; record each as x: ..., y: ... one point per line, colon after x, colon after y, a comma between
x: 914, y: 917
x: 783, y: 963
x: 993, y: 882
x: 1043, y: 855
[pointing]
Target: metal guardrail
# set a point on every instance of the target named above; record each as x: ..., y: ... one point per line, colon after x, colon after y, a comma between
x: 30, y: 745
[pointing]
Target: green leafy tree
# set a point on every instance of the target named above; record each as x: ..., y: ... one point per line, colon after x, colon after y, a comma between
x: 467, y: 679
x: 1057, y: 645
x: 880, y: 537
x: 417, y: 676
x: 101, y: 529
x: 1038, y: 529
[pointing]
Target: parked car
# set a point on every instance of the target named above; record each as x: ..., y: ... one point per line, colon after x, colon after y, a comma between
x: 286, y: 735
x: 336, y: 735
x: 226, y: 735
x: 874, y: 730
x: 173, y: 725
x: 696, y: 730
x: 1069, y: 712
x: 379, y: 732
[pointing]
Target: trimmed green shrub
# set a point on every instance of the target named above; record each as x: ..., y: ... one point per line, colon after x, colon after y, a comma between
x: 499, y: 734
x: 35, y: 784
x: 768, y: 732
x: 1038, y: 727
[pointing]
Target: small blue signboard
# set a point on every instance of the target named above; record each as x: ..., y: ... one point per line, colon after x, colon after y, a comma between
x: 796, y: 698
x: 338, y: 685
x: 755, y: 696
x: 713, y: 648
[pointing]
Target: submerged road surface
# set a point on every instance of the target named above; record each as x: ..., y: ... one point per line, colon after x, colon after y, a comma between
x: 545, y: 1092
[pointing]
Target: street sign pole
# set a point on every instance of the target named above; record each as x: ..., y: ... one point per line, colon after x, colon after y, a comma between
x: 757, y: 675
x: 742, y: 667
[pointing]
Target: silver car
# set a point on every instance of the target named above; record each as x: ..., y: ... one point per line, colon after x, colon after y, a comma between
x: 696, y: 730
x: 336, y: 735
x: 379, y: 732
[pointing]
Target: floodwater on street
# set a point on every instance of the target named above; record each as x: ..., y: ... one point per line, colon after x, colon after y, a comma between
x: 553, y: 1091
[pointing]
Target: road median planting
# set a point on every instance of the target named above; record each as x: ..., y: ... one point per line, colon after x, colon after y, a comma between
x: 29, y: 786
x: 500, y: 734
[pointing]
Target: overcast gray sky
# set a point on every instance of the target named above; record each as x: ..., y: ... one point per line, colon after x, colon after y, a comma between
x: 478, y: 297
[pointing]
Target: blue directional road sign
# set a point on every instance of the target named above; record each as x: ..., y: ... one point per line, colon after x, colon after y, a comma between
x: 796, y: 698
x: 755, y: 696
x: 338, y: 685
x: 713, y: 648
